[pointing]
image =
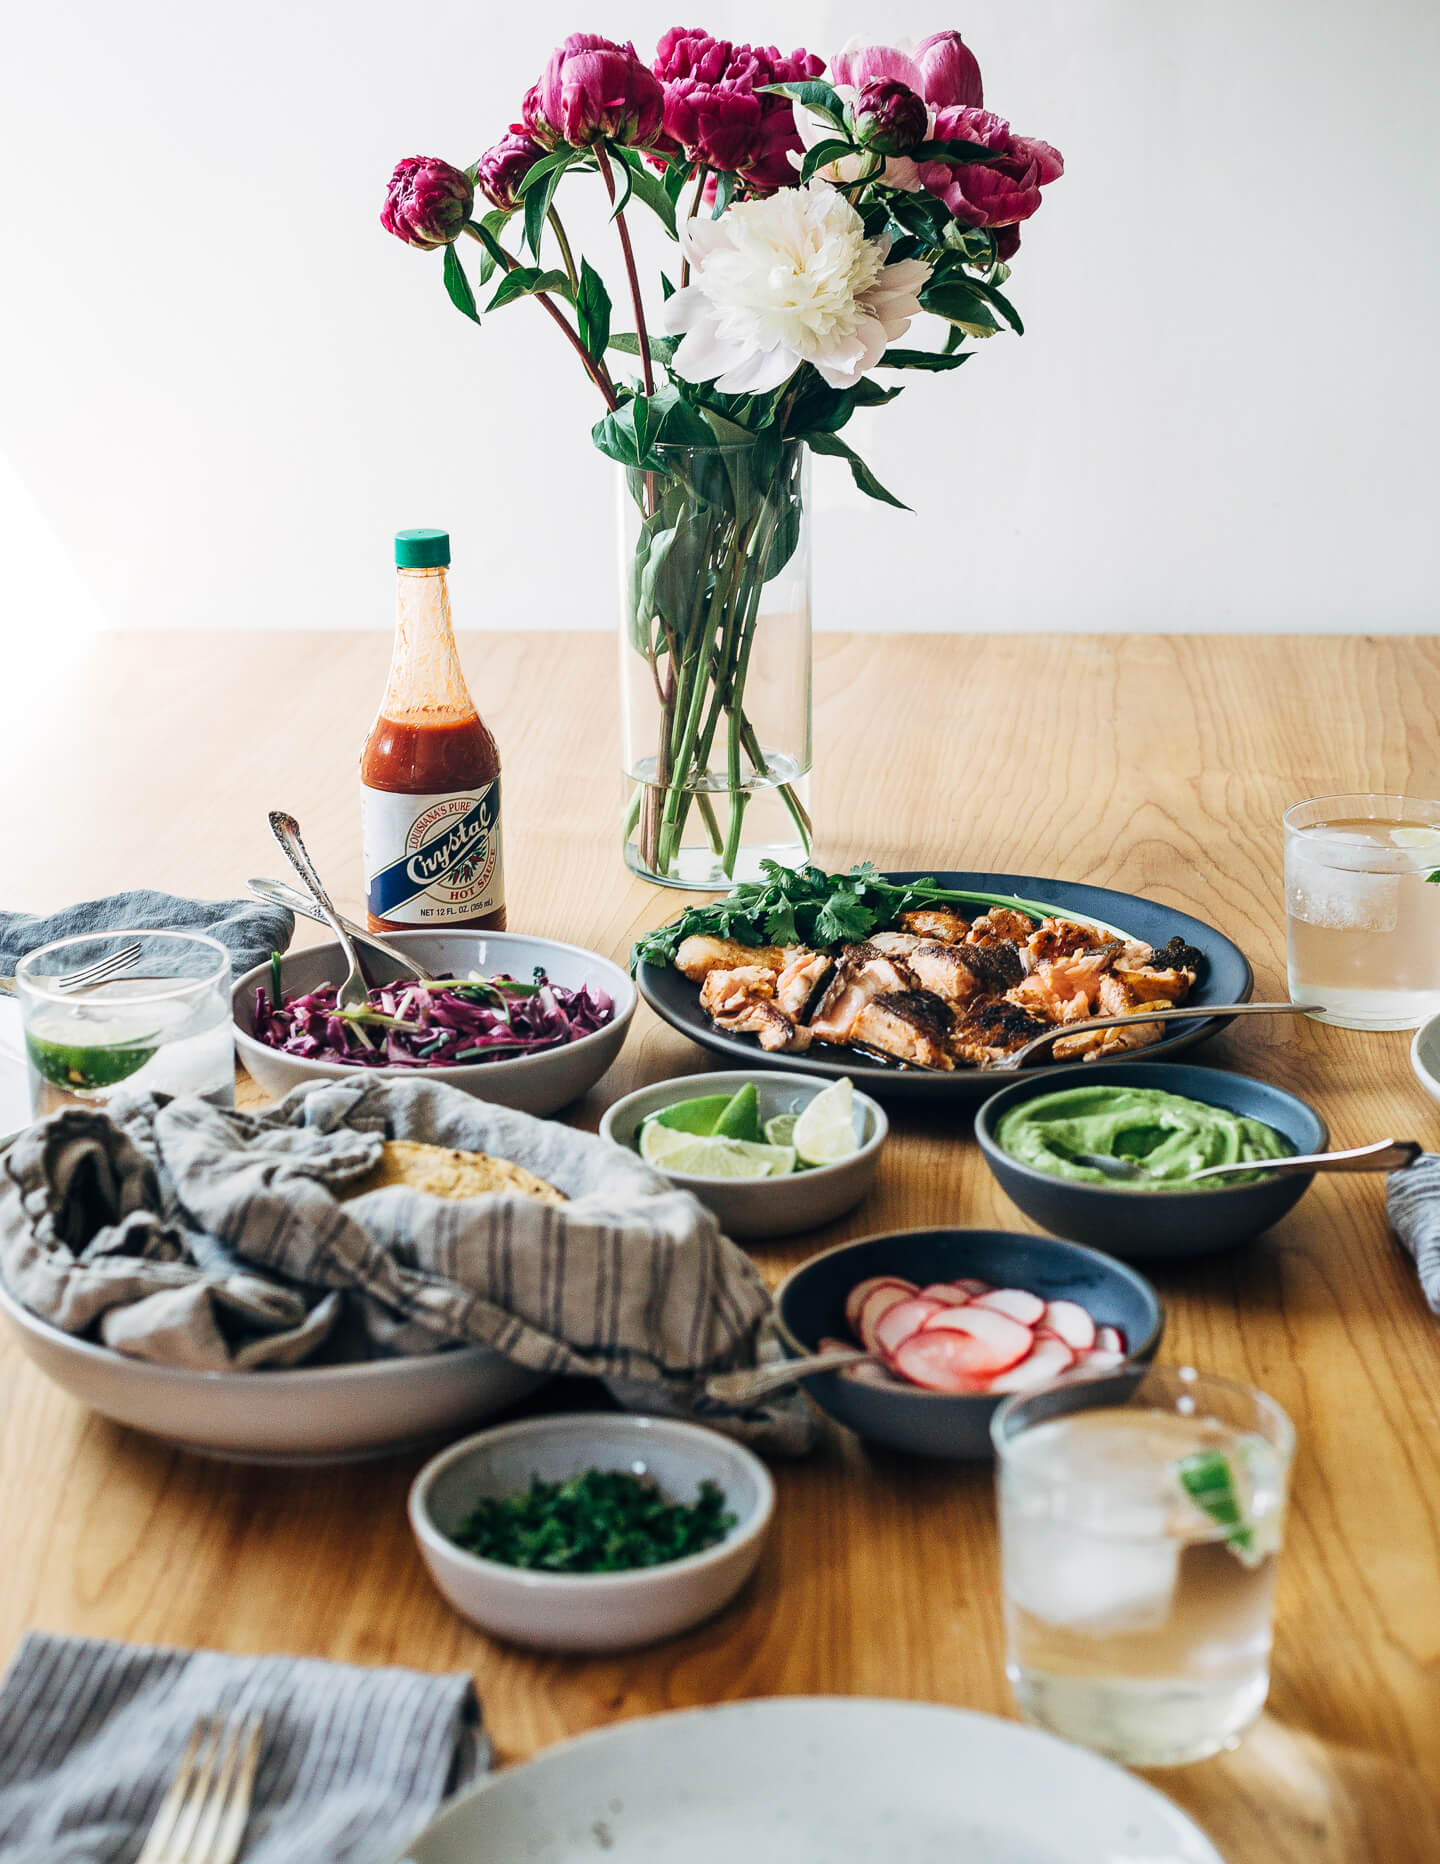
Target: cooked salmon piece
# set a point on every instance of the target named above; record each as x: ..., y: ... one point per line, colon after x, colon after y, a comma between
x: 698, y: 956
x: 990, y: 1030
x: 909, y: 1025
x: 939, y: 922
x: 1001, y: 926
x: 1114, y: 998
x: 797, y: 983
x: 862, y: 973
x: 961, y: 973
x: 1066, y: 989
x: 743, y: 1001
x: 1060, y: 938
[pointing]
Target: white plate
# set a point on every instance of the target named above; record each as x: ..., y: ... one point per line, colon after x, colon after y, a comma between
x: 822, y: 1780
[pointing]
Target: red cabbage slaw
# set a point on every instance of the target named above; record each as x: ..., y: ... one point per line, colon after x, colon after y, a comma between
x: 448, y: 1022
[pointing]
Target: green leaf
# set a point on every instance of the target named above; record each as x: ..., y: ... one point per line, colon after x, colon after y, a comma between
x: 959, y: 301
x: 490, y: 228
x: 488, y: 237
x: 667, y: 290
x: 724, y: 194
x: 815, y: 94
x: 458, y: 285
x: 545, y: 166
x: 649, y: 188
x: 868, y: 393
x: 954, y: 151
x: 934, y: 360
x: 628, y: 344
x: 833, y: 150
x: 677, y: 173
x: 592, y: 309
x: 538, y: 201
x: 627, y: 180
x: 624, y: 435
x: 859, y: 471
x: 525, y: 281
x: 1001, y: 303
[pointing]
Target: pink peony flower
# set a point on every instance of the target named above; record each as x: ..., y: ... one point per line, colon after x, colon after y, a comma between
x: 503, y: 167
x: 593, y: 90
x: 427, y: 201
x: 889, y: 117
x: 717, y: 112
x: 996, y: 194
x: 941, y: 69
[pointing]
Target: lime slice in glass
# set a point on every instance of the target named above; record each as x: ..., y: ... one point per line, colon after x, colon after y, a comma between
x: 1212, y: 1482
x: 83, y: 1070
x: 825, y: 1129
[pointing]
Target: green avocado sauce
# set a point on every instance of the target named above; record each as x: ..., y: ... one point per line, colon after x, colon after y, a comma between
x: 1167, y: 1136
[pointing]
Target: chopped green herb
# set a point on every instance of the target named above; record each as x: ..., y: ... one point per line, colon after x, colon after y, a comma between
x: 604, y: 1521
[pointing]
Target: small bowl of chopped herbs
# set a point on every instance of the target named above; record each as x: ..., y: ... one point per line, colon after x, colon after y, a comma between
x: 591, y: 1532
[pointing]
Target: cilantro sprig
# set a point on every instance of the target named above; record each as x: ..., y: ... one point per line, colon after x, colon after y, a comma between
x: 604, y: 1521
x: 806, y: 906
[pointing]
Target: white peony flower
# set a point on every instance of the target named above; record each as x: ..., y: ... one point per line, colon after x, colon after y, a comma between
x: 787, y: 280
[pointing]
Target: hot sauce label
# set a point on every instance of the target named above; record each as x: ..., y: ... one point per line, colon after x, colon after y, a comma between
x: 433, y: 860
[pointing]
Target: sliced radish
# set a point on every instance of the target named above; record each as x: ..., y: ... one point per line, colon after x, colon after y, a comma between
x: 995, y: 1342
x: 1097, y: 1361
x: 875, y: 1306
x: 855, y: 1300
x: 1110, y: 1339
x: 941, y: 1362
x: 1018, y: 1303
x: 946, y: 1292
x: 968, y: 1285
x: 1050, y: 1359
x: 905, y: 1318
x: 1071, y: 1322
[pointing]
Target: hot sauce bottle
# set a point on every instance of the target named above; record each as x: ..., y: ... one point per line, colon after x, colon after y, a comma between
x: 430, y: 771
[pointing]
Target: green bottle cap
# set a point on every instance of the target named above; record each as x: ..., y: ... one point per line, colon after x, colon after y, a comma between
x: 422, y: 550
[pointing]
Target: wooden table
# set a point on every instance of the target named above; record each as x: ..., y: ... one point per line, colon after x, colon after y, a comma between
x: 1155, y: 764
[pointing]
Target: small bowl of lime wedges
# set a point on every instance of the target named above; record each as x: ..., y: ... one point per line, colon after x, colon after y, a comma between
x: 769, y: 1154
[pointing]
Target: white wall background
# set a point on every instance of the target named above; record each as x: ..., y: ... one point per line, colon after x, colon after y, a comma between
x: 224, y: 386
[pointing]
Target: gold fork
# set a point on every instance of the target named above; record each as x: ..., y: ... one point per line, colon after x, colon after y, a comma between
x: 202, y: 1818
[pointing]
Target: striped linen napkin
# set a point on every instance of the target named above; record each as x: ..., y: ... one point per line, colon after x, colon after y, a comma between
x: 1412, y: 1203
x: 352, y: 1761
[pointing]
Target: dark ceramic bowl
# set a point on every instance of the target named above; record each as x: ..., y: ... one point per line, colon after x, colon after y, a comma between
x: 1160, y: 1225
x: 811, y: 1306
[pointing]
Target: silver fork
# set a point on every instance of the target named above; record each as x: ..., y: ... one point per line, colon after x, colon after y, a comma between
x: 100, y: 972
x: 1007, y: 1064
x: 202, y: 1818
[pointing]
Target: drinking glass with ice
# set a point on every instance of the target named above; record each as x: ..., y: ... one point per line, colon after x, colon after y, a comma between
x: 161, y: 1025
x: 1140, y: 1529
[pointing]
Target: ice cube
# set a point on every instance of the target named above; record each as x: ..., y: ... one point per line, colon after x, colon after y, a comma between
x: 1090, y: 1583
x: 1341, y: 899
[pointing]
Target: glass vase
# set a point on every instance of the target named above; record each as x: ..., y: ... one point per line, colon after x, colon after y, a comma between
x: 715, y: 662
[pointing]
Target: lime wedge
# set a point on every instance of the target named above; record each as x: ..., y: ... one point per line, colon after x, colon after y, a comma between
x: 741, y: 1118
x: 781, y: 1130
x: 1208, y: 1478
x: 1417, y: 837
x: 85, y: 1069
x: 825, y: 1129
x: 657, y: 1142
x: 693, y: 1116
x: 723, y: 1158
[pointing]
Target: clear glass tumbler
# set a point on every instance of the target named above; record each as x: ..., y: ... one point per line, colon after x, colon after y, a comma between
x: 1140, y: 1526
x: 161, y: 1025
x: 1362, y: 919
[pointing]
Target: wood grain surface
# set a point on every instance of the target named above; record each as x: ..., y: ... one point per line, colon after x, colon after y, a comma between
x: 1155, y: 764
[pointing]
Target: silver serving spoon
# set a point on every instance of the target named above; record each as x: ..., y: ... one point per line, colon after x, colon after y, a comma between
x: 759, y: 1381
x: 354, y: 993
x: 1017, y: 1058
x: 1383, y: 1155
x: 280, y: 894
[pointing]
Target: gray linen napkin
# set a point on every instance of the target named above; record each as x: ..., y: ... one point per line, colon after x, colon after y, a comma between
x: 248, y: 929
x: 352, y: 1763
x: 188, y: 1235
x: 1412, y: 1203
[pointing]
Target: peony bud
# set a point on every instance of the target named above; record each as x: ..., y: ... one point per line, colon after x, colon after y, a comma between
x: 949, y: 73
x: 427, y: 202
x: 593, y: 90
x: 888, y: 117
x: 503, y: 167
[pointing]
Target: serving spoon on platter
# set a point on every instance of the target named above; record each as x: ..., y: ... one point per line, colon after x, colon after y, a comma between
x: 1382, y: 1155
x: 1016, y: 1059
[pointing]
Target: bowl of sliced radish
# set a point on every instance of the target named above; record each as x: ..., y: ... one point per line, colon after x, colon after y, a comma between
x: 957, y: 1320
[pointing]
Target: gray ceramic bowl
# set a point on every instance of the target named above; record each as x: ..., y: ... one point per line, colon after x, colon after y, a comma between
x: 530, y: 1083
x: 764, y: 1206
x: 811, y: 1307
x: 591, y: 1611
x: 1425, y: 1057
x: 1161, y: 1225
